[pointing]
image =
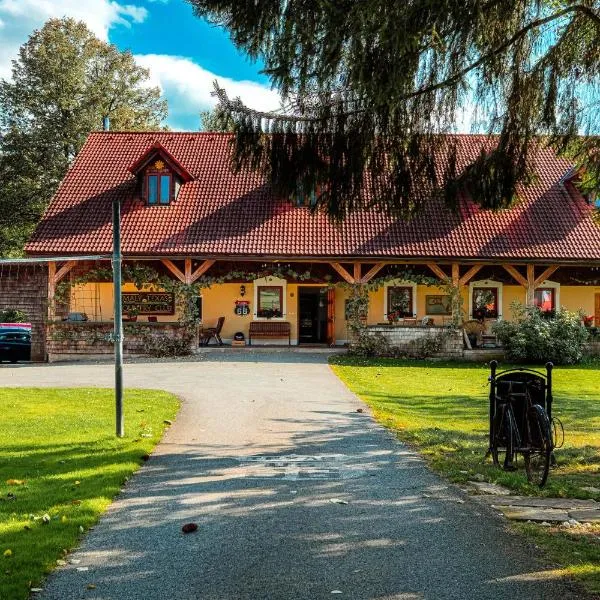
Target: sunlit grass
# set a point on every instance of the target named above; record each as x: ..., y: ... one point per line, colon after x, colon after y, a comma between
x: 442, y: 409
x: 61, y: 445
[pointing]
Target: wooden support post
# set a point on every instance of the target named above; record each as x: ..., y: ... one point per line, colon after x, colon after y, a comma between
x: 342, y: 272
x: 516, y: 275
x: 547, y: 273
x: 438, y: 271
x: 51, y: 289
x: 455, y: 274
x: 173, y: 269
x: 530, y: 285
x: 357, y: 272
x: 205, y: 266
x: 188, y: 271
x: 457, y: 287
x: 372, y: 272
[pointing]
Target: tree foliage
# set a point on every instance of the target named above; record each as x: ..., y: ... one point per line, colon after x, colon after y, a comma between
x: 371, y: 88
x: 64, y: 81
x: 216, y: 119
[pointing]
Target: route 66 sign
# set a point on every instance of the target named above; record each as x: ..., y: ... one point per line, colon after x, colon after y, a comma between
x: 242, y: 308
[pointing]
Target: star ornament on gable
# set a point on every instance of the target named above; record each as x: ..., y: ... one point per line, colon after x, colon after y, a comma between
x: 159, y: 165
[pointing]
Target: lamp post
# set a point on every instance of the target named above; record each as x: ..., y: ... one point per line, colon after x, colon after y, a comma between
x: 118, y: 334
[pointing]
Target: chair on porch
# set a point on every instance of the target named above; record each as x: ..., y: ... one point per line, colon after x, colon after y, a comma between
x: 212, y: 332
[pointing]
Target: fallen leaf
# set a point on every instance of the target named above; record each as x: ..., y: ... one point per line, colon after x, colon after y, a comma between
x: 360, y: 410
x: 36, y: 590
x: 81, y: 530
x: 26, y: 528
x: 189, y: 527
x: 336, y: 592
x: 77, y: 482
x: 82, y: 569
x: 63, y: 519
x: 15, y: 482
x: 337, y: 501
x: 168, y: 422
x: 91, y: 586
x: 76, y: 502
x: 7, y: 553
x: 46, y: 518
x: 60, y: 562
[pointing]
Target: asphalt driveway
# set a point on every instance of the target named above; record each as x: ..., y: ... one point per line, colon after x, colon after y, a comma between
x: 297, y: 496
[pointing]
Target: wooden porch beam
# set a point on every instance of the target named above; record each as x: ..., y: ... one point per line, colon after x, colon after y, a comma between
x: 547, y: 273
x: 63, y: 270
x: 530, y: 285
x: 188, y: 270
x: 342, y: 272
x: 205, y: 266
x: 357, y: 272
x: 516, y: 275
x: 169, y: 264
x: 469, y: 275
x: 372, y: 272
x: 455, y: 274
x: 438, y: 271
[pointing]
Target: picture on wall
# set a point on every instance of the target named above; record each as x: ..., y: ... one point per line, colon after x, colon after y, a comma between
x: 438, y: 305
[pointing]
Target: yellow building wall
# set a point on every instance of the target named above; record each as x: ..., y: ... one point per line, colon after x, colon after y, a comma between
x: 96, y: 300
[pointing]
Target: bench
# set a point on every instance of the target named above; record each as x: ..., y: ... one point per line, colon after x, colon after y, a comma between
x: 270, y: 329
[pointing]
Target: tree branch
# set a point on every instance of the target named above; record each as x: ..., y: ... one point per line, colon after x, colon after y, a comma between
x: 238, y: 106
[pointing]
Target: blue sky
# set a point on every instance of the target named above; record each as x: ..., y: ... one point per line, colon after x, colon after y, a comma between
x: 184, y: 53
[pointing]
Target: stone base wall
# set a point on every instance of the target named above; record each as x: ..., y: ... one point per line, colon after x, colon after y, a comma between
x: 414, y: 339
x: 73, y: 340
x: 25, y: 287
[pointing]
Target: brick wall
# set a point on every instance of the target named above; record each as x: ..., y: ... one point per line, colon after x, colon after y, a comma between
x: 79, y: 340
x: 408, y: 339
x: 25, y: 287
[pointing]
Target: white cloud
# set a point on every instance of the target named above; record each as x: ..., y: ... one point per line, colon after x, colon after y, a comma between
x: 21, y: 17
x: 187, y: 86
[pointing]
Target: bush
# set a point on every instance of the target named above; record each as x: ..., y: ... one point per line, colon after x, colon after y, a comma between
x: 167, y: 347
x: 12, y: 315
x: 366, y: 343
x: 533, y: 337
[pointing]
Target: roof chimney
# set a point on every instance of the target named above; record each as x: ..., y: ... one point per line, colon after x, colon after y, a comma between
x: 106, y: 123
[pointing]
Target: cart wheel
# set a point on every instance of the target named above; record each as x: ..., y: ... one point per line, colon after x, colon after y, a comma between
x: 503, y: 453
x: 537, y: 458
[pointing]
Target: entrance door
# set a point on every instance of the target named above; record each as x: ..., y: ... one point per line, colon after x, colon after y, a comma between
x: 597, y: 311
x: 312, y: 315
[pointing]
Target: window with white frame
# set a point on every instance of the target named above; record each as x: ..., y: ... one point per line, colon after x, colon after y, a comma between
x: 485, y: 300
x: 270, y: 298
x: 399, y: 300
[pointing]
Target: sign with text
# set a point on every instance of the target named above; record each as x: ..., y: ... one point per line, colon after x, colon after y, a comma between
x: 148, y: 303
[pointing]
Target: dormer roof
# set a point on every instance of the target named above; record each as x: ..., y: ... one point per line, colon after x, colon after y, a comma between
x: 157, y: 150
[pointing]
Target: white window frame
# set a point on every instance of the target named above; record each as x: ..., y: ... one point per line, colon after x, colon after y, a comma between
x: 486, y: 283
x: 552, y: 285
x: 399, y: 283
x: 270, y: 281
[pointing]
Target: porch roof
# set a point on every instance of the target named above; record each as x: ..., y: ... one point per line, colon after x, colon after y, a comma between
x: 220, y: 213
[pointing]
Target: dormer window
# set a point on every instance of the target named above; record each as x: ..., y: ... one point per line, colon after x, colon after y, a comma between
x: 160, y: 176
x: 302, y: 198
x: 159, y: 184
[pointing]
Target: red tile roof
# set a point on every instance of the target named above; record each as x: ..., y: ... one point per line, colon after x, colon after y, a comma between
x: 219, y: 213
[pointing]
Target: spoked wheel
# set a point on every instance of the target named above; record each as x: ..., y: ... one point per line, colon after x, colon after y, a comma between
x: 503, y: 453
x: 537, y: 456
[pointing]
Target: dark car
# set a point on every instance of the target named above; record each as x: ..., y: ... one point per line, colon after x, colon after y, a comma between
x: 15, y: 344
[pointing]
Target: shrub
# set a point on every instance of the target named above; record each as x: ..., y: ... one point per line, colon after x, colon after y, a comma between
x: 533, y: 337
x: 366, y: 343
x: 12, y: 315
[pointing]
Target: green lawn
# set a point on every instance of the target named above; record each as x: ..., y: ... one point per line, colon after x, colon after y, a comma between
x: 59, y: 457
x: 442, y: 409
